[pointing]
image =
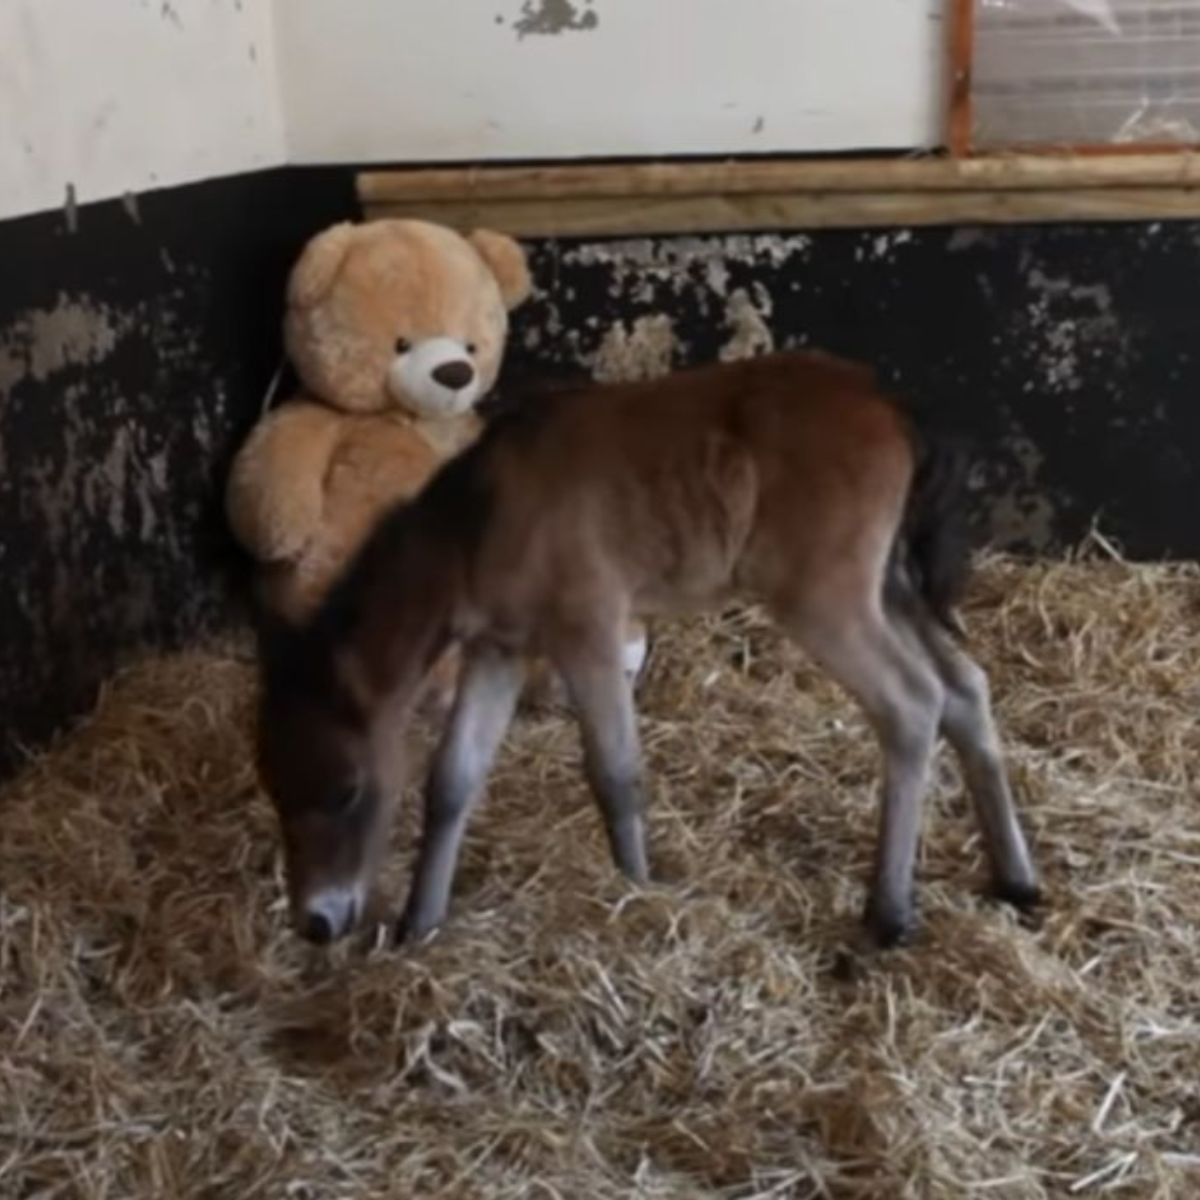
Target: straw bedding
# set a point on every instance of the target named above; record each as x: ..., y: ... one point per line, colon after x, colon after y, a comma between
x: 164, y: 1035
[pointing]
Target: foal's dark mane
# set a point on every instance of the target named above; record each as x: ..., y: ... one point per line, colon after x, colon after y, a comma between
x: 451, y: 512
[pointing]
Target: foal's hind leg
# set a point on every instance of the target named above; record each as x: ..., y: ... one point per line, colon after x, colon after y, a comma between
x: 902, y: 695
x: 970, y: 728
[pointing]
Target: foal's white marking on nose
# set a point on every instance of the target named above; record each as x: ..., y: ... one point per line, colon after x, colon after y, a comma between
x: 340, y: 905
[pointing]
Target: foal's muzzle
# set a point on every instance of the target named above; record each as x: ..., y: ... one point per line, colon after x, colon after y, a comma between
x: 329, y: 914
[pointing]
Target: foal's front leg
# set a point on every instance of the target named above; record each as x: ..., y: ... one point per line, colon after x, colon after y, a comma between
x: 602, y: 694
x: 490, y: 684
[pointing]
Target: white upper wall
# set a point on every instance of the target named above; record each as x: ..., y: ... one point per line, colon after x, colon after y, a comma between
x: 423, y: 80
x: 114, y: 96
x: 127, y: 95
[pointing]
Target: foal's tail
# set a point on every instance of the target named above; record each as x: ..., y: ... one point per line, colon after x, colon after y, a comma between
x: 932, y: 555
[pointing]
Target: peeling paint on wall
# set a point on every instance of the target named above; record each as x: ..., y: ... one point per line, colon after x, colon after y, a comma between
x: 43, y: 341
x: 548, y: 17
x: 748, y: 319
x: 645, y: 350
x: 133, y: 355
x: 1063, y: 353
x: 1018, y: 506
x: 1069, y: 322
x: 99, y: 455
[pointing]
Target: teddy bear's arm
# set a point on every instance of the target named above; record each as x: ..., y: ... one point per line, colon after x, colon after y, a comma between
x: 275, y: 494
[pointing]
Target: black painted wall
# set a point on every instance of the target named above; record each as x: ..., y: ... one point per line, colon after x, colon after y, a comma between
x: 135, y: 351
x: 1069, y: 355
x: 136, y: 343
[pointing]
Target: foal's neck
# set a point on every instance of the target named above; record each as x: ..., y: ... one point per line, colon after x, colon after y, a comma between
x: 400, y: 605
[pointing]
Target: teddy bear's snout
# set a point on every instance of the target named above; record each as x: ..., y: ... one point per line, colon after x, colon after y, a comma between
x: 434, y: 377
x: 455, y: 375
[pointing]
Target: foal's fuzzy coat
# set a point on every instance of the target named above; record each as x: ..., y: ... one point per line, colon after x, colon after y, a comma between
x: 789, y: 480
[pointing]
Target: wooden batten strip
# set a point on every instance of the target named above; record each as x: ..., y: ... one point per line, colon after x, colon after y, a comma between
x: 961, y: 50
x: 663, y: 198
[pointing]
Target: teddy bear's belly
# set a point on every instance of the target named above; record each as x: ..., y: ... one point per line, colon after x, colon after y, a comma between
x: 376, y: 467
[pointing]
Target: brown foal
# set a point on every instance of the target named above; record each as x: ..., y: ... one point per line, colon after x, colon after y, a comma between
x: 790, y: 480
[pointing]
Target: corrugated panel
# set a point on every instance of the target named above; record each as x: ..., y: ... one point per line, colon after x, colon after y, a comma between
x: 1086, y: 71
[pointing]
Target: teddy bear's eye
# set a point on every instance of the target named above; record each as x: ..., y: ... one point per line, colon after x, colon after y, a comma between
x: 471, y: 347
x: 403, y: 345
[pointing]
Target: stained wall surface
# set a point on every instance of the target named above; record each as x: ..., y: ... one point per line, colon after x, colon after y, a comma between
x: 424, y: 80
x: 136, y: 345
x: 100, y: 99
x: 1065, y: 355
x: 139, y: 320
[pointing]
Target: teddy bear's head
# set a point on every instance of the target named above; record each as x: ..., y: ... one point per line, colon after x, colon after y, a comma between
x: 402, y: 314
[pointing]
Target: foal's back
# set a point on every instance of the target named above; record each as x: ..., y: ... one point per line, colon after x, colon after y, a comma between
x: 791, y: 477
x: 759, y: 476
x: 788, y: 480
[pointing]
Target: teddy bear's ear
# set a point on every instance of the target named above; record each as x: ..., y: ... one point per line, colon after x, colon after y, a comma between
x: 318, y: 263
x: 505, y: 260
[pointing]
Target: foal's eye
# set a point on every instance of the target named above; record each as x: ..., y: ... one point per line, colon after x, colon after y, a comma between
x: 403, y: 345
x: 342, y: 801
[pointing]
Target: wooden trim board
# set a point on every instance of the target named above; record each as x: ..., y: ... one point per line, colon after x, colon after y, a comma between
x: 924, y: 173
x: 960, y: 55
x: 664, y: 198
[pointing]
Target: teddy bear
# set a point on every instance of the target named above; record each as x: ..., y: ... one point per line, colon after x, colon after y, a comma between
x: 396, y: 330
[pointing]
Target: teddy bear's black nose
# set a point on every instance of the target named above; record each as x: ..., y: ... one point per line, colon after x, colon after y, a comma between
x: 455, y: 374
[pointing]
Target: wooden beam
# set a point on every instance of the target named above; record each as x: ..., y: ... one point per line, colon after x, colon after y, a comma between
x: 665, y: 198
x: 961, y: 15
x: 655, y: 179
x: 605, y: 217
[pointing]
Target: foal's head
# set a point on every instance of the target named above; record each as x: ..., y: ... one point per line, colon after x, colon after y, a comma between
x: 319, y: 764
x: 335, y: 694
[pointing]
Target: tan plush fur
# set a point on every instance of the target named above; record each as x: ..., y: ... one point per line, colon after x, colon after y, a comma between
x: 373, y: 310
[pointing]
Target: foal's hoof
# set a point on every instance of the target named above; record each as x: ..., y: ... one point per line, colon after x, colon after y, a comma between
x: 410, y: 932
x: 1023, y: 896
x: 889, y: 928
x: 1026, y: 898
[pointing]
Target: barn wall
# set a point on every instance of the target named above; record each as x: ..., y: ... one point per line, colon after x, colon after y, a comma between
x: 1067, y: 354
x: 419, y: 80
x: 103, y: 98
x: 139, y: 310
x: 137, y: 340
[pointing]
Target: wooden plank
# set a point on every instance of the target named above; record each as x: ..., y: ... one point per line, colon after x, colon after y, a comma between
x: 961, y: 15
x: 716, y: 213
x: 653, y: 179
